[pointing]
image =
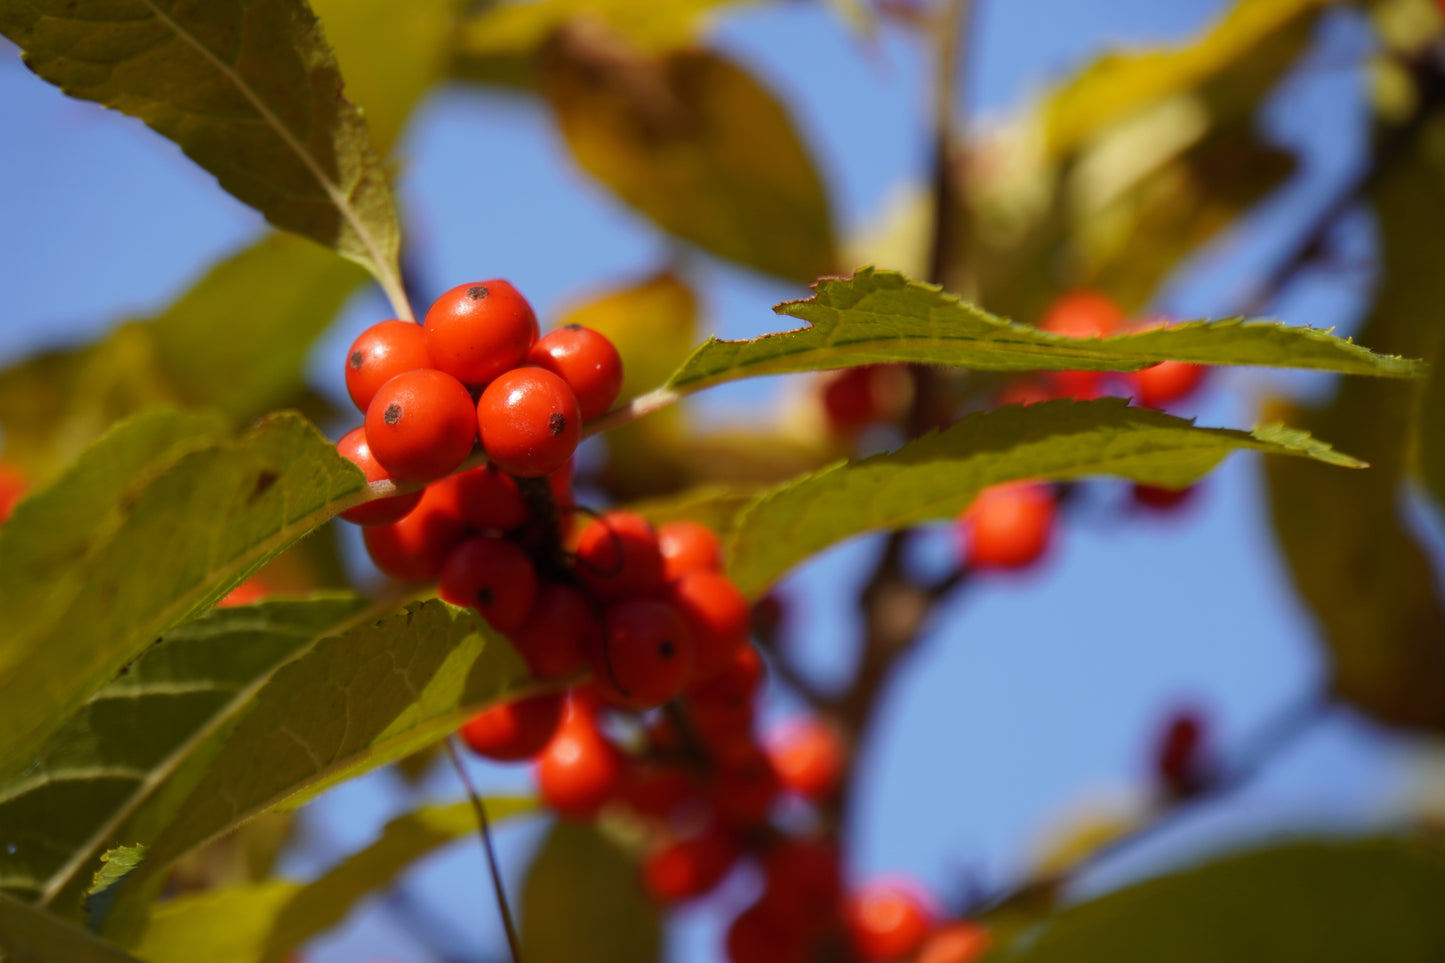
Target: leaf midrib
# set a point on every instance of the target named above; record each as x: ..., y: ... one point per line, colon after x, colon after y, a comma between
x: 339, y: 199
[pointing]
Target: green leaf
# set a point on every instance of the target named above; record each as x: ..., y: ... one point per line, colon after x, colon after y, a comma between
x: 1430, y: 432
x: 1365, y: 576
x: 882, y: 316
x: 116, y: 767
x: 698, y: 145
x: 263, y: 922
x: 249, y: 90
x: 240, y: 338
x: 1123, y: 84
x: 938, y: 475
x: 351, y: 702
x: 1374, y: 900
x: 115, y: 865
x: 281, y: 292
x: 521, y: 29
x: 390, y: 53
x: 147, y: 553
x: 583, y: 878
x: 28, y: 935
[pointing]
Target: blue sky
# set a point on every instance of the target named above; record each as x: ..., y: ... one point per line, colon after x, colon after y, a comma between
x: 1033, y: 697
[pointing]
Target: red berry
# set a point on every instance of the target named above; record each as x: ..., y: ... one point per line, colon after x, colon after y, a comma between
x: 722, y: 709
x: 382, y: 352
x: 886, y: 922
x: 251, y: 590
x: 12, y: 488
x: 587, y: 361
x: 476, y: 331
x: 657, y: 790
x: 559, y: 631
x: 384, y: 511
x: 493, y: 576
x: 618, y: 556
x: 529, y: 422
x: 688, y: 547
x: 1177, y: 760
x: 745, y: 785
x: 759, y: 936
x: 1162, y: 499
x: 804, y: 882
x: 421, y: 425
x: 961, y: 942
x: 579, y: 770
x: 487, y: 498
x: 809, y: 757
x: 1008, y: 526
x: 1081, y: 314
x: 415, y: 548
x: 687, y: 868
x: 717, y: 617
x: 514, y: 731
x: 1160, y: 385
x: 646, y: 654
x: 1024, y: 392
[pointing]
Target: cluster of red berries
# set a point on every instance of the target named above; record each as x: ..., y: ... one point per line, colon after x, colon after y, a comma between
x: 1011, y: 526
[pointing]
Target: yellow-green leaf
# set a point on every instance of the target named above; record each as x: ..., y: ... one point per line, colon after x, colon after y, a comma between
x: 1314, y: 902
x: 584, y: 878
x: 249, y: 89
x: 937, y: 476
x: 881, y: 316
x: 29, y: 935
x: 264, y: 922
x: 698, y: 145
x: 83, y: 592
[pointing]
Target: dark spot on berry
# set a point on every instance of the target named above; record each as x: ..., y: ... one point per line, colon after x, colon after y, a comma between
x: 264, y: 481
x: 667, y: 649
x: 557, y: 423
x: 356, y: 360
x: 571, y: 327
x: 477, y: 291
x: 393, y: 414
x: 485, y: 596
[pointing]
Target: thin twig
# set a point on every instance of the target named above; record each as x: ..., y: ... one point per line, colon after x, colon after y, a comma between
x: 485, y: 827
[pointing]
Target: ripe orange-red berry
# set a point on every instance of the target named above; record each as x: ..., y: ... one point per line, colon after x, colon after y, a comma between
x: 759, y: 936
x: 587, y: 361
x: 618, y: 556
x: 1008, y: 526
x: 529, y: 422
x: 384, y: 511
x: 717, y: 617
x: 486, y: 498
x: 1161, y: 385
x: 804, y: 882
x: 514, y: 731
x: 722, y: 709
x: 1081, y: 314
x: 579, y: 770
x: 414, y: 548
x: 808, y: 755
x: 558, y: 633
x: 421, y: 425
x: 745, y: 785
x: 961, y: 942
x: 12, y: 488
x: 474, y: 332
x: 379, y: 354
x: 886, y: 921
x: 645, y: 656
x: 251, y: 590
x: 658, y: 790
x: 688, y: 547
x: 493, y: 576
x: 686, y: 868
x: 1162, y: 499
